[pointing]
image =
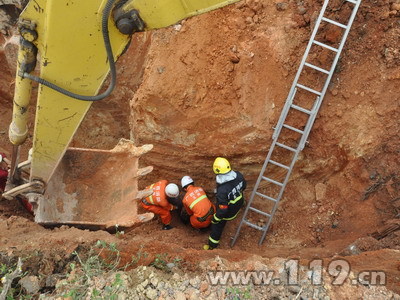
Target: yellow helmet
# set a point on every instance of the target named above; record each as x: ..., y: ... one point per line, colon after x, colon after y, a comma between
x: 221, y: 165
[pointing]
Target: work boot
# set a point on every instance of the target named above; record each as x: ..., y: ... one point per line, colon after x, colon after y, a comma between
x: 167, y: 227
x: 207, y: 247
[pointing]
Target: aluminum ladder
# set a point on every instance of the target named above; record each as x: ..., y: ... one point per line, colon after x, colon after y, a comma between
x: 264, y: 178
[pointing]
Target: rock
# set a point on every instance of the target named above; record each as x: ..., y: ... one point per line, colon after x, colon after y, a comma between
x: 176, y: 277
x: 151, y: 293
x: 212, y: 296
x: 335, y: 224
x: 160, y: 285
x: 221, y: 294
x: 183, y: 286
x: 281, y: 6
x: 302, y: 10
x: 170, y: 265
x: 180, y: 296
x: 145, y: 283
x: 249, y: 20
x: 204, y: 286
x: 178, y: 27
x: 139, y: 288
x: 320, y: 191
x: 194, y: 297
x: 154, y: 281
x: 234, y: 58
x: 189, y: 292
x: 52, y: 280
x: 395, y: 6
x: 195, y: 282
x: 295, y: 289
x: 30, y: 284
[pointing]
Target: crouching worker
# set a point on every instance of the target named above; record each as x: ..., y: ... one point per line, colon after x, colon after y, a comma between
x: 162, y: 201
x: 230, y: 186
x: 3, y: 173
x: 196, y: 204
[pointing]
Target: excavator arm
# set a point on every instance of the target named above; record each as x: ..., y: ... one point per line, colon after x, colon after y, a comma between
x: 77, y: 43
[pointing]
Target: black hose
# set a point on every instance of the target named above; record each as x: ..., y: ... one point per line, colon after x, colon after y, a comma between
x: 110, y: 56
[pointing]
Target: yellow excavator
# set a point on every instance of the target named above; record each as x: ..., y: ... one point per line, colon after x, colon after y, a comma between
x: 77, y: 43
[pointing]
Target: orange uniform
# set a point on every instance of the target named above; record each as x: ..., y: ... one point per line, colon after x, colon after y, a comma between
x: 158, y: 203
x: 198, y: 206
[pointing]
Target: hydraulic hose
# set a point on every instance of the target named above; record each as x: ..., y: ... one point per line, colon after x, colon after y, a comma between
x: 110, y: 57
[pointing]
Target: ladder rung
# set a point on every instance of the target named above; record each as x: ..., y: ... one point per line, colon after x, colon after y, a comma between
x: 306, y: 111
x: 272, y: 181
x: 292, y: 128
x: 308, y: 89
x: 326, y: 46
x: 260, y: 212
x: 352, y: 1
x: 266, y: 197
x: 278, y: 164
x: 316, y: 68
x: 334, y: 22
x: 286, y: 147
x: 253, y: 225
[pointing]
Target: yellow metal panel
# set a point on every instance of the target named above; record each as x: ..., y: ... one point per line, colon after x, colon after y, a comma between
x: 73, y: 56
x: 158, y: 14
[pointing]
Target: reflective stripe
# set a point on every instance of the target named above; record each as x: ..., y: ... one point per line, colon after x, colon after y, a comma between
x: 212, y: 240
x: 216, y: 218
x: 197, y: 201
x: 145, y: 202
x: 231, y: 218
x: 236, y: 199
x: 151, y: 196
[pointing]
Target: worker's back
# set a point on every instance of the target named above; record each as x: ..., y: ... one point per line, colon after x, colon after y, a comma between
x: 196, y: 201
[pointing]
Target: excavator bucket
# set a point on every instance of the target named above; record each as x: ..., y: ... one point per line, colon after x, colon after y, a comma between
x: 95, y: 189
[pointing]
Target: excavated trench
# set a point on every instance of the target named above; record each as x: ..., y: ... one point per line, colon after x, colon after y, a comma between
x: 215, y: 85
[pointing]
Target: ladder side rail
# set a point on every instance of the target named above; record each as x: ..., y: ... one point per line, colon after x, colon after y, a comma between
x: 310, y: 43
x: 271, y: 149
x: 285, y: 111
x: 318, y: 103
x: 280, y: 195
x: 310, y: 123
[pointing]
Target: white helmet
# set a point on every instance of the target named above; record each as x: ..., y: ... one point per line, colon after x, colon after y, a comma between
x: 172, y: 190
x: 186, y: 180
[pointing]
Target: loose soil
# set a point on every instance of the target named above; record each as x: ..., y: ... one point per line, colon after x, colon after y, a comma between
x: 214, y: 85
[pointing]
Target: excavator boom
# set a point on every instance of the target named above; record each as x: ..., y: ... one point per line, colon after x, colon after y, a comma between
x: 77, y: 42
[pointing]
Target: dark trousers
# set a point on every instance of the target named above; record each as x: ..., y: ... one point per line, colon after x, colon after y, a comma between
x: 217, y: 227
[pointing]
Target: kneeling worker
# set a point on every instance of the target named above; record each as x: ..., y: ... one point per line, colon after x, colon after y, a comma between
x: 230, y: 186
x: 162, y: 201
x: 197, y: 205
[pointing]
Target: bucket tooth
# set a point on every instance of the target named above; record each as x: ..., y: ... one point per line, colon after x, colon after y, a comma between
x: 144, y: 171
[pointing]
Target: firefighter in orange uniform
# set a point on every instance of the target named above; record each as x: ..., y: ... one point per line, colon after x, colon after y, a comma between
x: 162, y: 201
x: 197, y: 205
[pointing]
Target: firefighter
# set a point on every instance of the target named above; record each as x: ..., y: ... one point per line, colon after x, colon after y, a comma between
x: 165, y: 198
x: 196, y: 204
x: 3, y: 173
x: 230, y: 186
